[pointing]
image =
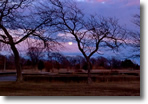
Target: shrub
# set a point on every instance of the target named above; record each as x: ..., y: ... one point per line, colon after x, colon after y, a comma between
x: 40, y: 65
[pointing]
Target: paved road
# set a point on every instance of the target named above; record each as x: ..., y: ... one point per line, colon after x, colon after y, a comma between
x: 8, y: 78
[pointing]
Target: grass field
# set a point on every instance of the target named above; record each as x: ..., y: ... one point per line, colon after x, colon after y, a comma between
x: 131, y: 88
x: 105, y: 83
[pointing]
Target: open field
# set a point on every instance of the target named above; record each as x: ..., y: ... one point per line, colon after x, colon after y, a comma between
x: 72, y: 71
x: 79, y: 78
x: 131, y: 88
x: 105, y: 83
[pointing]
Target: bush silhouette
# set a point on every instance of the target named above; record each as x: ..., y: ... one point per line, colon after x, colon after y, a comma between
x: 41, y: 65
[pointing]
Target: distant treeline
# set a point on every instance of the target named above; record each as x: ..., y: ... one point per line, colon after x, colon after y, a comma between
x: 58, y: 61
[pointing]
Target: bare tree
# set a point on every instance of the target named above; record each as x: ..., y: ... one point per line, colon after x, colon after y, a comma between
x: 136, y: 36
x: 100, y: 32
x: 35, y: 54
x: 17, y: 23
x: 89, y: 33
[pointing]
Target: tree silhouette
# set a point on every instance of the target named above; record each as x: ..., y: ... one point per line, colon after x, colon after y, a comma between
x: 16, y: 25
x: 35, y: 54
x: 89, y: 34
x: 40, y: 65
x: 127, y: 63
x: 135, y: 36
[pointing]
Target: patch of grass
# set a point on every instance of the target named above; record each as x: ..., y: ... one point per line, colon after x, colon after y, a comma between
x: 131, y: 88
x: 79, y: 78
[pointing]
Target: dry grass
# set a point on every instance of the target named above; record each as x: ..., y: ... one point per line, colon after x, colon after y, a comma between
x: 78, y: 78
x: 105, y: 84
x: 131, y: 88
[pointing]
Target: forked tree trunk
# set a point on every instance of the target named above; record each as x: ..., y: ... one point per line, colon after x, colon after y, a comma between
x: 17, y: 63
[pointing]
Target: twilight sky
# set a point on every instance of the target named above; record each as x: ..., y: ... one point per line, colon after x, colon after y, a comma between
x: 120, y: 9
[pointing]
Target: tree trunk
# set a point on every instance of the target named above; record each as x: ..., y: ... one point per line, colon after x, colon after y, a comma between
x: 17, y: 63
x: 89, y: 80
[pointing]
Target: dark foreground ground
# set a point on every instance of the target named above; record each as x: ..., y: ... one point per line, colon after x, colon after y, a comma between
x: 126, y: 88
x: 105, y: 83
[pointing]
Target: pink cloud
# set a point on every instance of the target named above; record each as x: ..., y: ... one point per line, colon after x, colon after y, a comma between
x: 133, y: 2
